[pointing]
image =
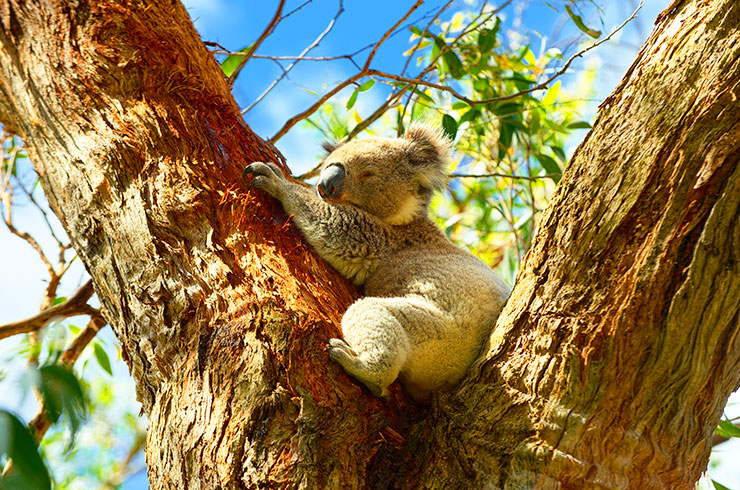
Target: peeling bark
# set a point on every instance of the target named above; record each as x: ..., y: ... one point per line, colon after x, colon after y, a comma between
x: 608, y: 368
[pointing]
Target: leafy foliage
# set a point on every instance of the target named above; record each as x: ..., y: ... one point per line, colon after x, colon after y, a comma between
x: 513, y: 144
x: 17, y: 444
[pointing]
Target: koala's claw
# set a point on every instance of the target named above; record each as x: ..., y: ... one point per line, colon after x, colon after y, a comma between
x: 266, y: 176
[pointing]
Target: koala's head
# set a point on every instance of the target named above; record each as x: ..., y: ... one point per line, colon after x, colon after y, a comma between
x: 391, y: 178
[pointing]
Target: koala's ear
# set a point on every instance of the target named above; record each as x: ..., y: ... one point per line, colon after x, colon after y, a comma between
x: 329, y: 146
x: 429, y: 149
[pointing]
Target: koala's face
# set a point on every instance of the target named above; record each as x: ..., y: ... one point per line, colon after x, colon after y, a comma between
x: 391, y: 178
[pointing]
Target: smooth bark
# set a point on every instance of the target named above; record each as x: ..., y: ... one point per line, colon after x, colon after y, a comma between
x: 609, y: 367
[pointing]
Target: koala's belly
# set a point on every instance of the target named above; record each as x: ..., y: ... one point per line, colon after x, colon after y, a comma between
x: 448, y: 303
x: 449, y: 279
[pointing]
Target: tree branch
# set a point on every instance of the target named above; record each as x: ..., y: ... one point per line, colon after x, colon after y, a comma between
x: 299, y: 58
x: 295, y: 119
x: 76, y: 305
x: 40, y: 423
x: 268, y: 30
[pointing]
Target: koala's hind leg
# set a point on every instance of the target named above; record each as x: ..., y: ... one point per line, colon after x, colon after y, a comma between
x: 375, y: 344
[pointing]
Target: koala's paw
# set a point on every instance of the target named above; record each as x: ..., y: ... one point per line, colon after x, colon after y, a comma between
x: 341, y: 352
x: 266, y: 176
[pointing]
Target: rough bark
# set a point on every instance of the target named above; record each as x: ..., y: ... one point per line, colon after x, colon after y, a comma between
x: 608, y: 368
x: 221, y: 310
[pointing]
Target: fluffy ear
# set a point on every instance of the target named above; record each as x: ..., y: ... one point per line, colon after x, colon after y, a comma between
x: 329, y: 146
x: 428, y: 149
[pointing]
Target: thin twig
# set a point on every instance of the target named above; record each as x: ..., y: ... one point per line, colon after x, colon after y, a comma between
x: 295, y: 10
x: 8, y: 218
x: 263, y: 36
x: 43, y: 212
x: 501, y: 175
x: 423, y: 33
x: 300, y: 57
x: 120, y: 475
x: 299, y: 117
x: 389, y: 32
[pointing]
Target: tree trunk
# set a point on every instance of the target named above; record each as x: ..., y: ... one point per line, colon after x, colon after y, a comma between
x: 608, y: 368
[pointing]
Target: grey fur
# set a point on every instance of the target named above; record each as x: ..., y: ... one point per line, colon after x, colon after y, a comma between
x: 428, y: 305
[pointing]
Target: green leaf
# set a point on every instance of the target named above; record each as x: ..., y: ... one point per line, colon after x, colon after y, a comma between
x: 454, y: 65
x: 102, y: 358
x: 578, y: 21
x: 452, y: 62
x: 550, y: 165
x: 481, y: 86
x: 308, y: 90
x: 486, y: 40
x: 471, y: 115
x: 727, y: 429
x: 366, y: 86
x: 415, y: 30
x: 579, y: 125
x: 555, y: 126
x: 17, y: 444
x: 232, y: 61
x: 529, y: 56
x: 450, y: 126
x: 559, y: 152
x: 551, y: 95
x: 504, y: 109
x: 352, y: 99
x: 59, y: 300
x: 719, y: 486
x: 62, y: 394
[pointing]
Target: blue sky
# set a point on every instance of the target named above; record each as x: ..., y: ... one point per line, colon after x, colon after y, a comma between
x: 233, y: 26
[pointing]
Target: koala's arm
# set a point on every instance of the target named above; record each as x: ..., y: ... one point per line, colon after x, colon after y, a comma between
x: 351, y: 240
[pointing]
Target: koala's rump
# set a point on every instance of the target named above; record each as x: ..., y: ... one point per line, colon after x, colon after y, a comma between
x: 452, y: 300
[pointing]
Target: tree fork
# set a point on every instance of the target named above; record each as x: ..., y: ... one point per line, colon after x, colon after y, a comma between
x: 221, y: 311
x: 608, y: 368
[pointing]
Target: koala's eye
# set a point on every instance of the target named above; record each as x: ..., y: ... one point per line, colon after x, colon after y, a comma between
x: 366, y: 174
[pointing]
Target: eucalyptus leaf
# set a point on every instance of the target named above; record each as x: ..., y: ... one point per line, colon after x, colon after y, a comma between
x: 579, y: 125
x: 366, y: 86
x: 102, y: 357
x: 578, y: 21
x: 17, y: 444
x: 352, y: 99
x: 449, y: 124
x: 229, y: 64
x: 550, y: 165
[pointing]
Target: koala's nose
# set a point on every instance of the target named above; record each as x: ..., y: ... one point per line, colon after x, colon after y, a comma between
x: 331, y: 181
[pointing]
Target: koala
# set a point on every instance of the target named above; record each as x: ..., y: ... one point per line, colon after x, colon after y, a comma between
x: 428, y: 306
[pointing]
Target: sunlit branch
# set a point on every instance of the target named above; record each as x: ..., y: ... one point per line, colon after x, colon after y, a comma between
x: 75, y: 305
x: 270, y: 27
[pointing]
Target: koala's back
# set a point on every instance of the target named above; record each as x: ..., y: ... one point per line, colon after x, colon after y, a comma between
x: 429, y: 271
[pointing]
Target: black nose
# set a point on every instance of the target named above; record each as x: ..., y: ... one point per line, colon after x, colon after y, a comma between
x: 331, y: 181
